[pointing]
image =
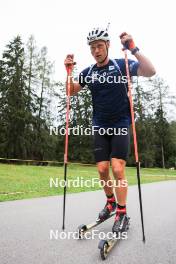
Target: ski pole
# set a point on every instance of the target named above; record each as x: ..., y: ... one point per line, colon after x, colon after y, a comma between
x: 135, y: 140
x: 69, y: 69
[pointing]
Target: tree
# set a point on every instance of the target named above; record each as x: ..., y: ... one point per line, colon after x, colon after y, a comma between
x: 143, y: 105
x: 151, y: 103
x: 161, y: 123
x: 13, y: 99
x: 80, y: 146
x: 45, y: 90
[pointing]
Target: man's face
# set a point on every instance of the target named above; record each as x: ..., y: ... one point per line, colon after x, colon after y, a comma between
x: 99, y: 50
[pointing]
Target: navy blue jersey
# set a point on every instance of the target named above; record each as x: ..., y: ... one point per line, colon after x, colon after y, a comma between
x: 108, y: 85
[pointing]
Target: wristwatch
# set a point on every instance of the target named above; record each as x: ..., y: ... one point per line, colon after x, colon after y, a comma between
x: 133, y: 51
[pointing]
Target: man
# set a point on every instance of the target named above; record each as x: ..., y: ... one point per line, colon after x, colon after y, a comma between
x: 108, y: 85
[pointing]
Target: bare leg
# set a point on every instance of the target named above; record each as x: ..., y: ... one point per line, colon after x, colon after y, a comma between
x: 103, y: 169
x: 118, y: 168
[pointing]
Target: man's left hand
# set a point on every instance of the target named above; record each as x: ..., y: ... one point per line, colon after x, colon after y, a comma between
x: 127, y: 41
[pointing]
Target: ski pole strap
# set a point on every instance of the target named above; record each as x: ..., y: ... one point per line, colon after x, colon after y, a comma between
x: 90, y: 69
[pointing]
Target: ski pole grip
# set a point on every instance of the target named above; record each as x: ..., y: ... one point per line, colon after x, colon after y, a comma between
x: 126, y: 44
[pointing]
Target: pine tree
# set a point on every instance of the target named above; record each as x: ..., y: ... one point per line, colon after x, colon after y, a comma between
x: 45, y: 90
x: 80, y: 146
x: 13, y: 99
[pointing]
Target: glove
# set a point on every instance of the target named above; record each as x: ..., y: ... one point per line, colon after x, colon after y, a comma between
x: 127, y: 41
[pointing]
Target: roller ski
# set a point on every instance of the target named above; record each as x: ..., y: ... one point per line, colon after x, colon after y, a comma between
x: 119, y: 229
x: 108, y: 211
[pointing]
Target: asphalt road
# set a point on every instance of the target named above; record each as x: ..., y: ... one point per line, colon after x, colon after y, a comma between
x: 26, y: 225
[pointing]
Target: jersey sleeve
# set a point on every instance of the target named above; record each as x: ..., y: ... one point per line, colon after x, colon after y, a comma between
x: 133, y: 66
x: 82, y: 77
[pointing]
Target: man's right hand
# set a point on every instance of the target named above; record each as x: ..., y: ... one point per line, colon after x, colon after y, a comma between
x: 69, y: 61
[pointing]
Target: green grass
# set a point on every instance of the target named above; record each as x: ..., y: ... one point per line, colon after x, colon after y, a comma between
x: 21, y: 181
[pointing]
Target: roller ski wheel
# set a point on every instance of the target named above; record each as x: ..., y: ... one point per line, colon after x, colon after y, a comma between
x: 103, y: 246
x: 106, y: 246
x: 81, y: 231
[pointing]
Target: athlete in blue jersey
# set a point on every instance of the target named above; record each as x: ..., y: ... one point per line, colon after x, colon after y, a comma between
x: 107, y: 82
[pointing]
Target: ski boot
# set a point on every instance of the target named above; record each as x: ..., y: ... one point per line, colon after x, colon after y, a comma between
x: 108, y: 209
x: 121, y: 223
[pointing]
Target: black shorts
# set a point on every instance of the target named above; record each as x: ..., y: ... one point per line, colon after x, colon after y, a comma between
x: 111, y: 146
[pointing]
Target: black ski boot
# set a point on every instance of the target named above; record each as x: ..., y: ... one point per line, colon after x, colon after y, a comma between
x: 121, y: 223
x: 108, y: 209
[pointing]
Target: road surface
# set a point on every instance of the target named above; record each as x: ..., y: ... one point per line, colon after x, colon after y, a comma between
x: 26, y: 226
